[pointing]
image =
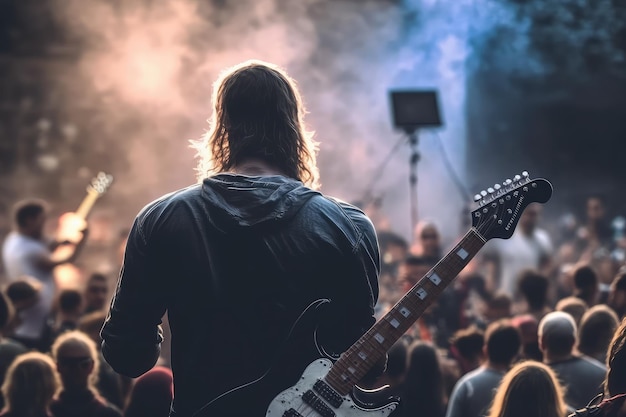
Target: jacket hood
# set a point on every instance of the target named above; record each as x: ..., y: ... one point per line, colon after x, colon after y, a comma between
x: 240, y: 201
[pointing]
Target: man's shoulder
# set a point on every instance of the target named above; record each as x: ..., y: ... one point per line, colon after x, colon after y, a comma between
x: 20, y: 244
x: 591, y: 364
x: 343, y: 208
x: 582, y: 366
x: 170, y: 202
x: 478, y: 374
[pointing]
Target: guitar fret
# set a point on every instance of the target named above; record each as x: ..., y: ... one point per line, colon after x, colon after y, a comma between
x: 373, y: 345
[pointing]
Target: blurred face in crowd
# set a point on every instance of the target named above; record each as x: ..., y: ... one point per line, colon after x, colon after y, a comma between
x: 35, y: 225
x: 595, y: 209
x: 96, y: 295
x: 429, y: 237
x: 530, y: 218
x: 75, y: 364
x: 410, y: 274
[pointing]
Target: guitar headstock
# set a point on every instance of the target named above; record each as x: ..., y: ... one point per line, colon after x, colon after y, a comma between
x: 100, y: 183
x: 501, y: 206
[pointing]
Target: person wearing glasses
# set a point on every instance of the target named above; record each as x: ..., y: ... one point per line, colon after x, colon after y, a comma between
x: 77, y: 362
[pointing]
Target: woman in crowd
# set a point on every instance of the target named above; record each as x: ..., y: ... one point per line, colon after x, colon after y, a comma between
x: 29, y: 386
x: 423, y: 390
x: 529, y: 389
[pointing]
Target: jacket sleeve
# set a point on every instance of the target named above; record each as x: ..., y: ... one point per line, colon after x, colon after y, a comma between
x: 132, y: 334
x: 351, y: 311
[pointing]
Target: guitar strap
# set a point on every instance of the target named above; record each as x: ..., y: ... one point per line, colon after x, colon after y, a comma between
x: 599, y: 406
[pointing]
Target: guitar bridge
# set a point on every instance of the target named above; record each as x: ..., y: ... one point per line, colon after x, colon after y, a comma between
x: 327, y: 393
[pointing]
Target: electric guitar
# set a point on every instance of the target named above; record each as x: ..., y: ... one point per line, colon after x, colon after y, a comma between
x: 71, y: 225
x: 327, y: 387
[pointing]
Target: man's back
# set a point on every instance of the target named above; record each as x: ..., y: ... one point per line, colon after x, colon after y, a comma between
x: 473, y: 393
x: 235, y: 261
x: 582, y: 378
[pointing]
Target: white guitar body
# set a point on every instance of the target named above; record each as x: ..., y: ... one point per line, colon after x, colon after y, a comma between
x: 291, y: 402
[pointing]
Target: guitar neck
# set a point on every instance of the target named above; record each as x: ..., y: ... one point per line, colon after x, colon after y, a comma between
x: 87, y: 204
x: 374, y: 344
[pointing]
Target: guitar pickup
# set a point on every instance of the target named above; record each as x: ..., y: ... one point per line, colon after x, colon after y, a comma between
x: 327, y: 393
x: 317, y: 404
x: 292, y: 413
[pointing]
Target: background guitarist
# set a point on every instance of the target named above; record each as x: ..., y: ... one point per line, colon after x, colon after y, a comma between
x: 237, y: 258
x: 28, y: 255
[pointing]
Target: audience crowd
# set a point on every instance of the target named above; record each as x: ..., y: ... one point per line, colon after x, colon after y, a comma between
x: 533, y: 326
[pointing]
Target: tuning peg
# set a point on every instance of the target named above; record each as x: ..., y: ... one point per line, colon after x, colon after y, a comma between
x: 491, y: 190
x: 478, y: 197
x: 525, y: 174
x: 517, y: 178
x: 497, y: 187
x: 507, y: 182
x: 483, y: 193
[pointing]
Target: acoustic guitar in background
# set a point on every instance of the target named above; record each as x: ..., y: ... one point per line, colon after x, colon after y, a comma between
x: 70, y: 231
x: 306, y: 381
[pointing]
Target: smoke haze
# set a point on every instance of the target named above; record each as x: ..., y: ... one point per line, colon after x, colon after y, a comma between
x: 146, y: 73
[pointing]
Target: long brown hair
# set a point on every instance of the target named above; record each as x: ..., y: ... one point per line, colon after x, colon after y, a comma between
x: 616, y: 362
x: 529, y: 389
x: 258, y: 113
x: 30, y: 384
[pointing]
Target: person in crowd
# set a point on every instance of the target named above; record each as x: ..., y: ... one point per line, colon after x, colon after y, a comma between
x: 23, y: 294
x: 70, y: 309
x: 606, y: 267
x: 533, y: 287
x: 152, y: 394
x: 529, y: 247
x: 395, y: 371
x: 595, y: 234
x: 412, y: 269
x: 586, y: 285
x: 423, y: 392
x: 596, y: 331
x: 112, y: 386
x: 77, y: 362
x: 581, y: 376
x: 573, y: 306
x: 26, y: 253
x: 9, y: 349
x: 393, y: 250
x: 473, y: 393
x: 497, y: 307
x: 528, y: 327
x: 29, y: 387
x: 427, y: 241
x: 615, y: 383
x: 466, y: 347
x: 96, y: 293
x: 529, y: 389
x: 617, y: 294
x: 252, y: 243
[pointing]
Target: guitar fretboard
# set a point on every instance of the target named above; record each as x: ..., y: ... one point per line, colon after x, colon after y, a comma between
x: 374, y: 344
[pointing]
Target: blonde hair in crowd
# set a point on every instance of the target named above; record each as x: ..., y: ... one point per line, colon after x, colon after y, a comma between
x: 30, y: 385
x: 529, y: 389
x: 258, y: 113
x: 76, y: 337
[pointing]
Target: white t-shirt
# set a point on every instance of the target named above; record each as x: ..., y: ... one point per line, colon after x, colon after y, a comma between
x: 19, y: 255
x: 518, y: 253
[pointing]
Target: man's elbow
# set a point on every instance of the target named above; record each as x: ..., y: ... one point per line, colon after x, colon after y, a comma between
x: 131, y: 361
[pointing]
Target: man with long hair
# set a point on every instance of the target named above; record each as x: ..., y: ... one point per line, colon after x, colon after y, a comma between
x: 236, y: 259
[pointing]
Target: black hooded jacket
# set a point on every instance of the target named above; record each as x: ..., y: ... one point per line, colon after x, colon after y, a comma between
x: 234, y: 261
